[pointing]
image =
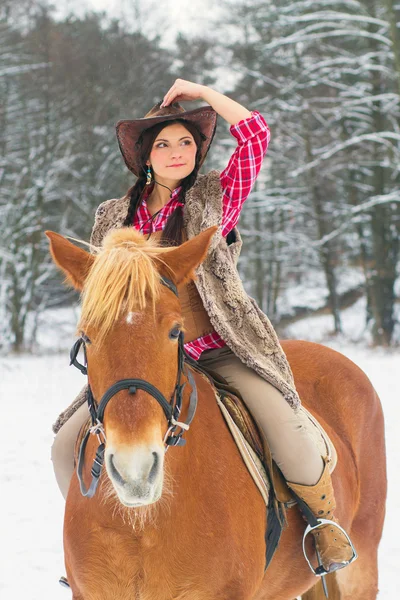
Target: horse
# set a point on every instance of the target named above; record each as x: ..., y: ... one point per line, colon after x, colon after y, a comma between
x: 190, y: 523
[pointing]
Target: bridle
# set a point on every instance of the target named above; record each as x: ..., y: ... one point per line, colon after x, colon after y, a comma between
x: 171, y: 409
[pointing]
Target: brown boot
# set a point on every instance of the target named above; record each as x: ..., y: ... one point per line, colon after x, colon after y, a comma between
x: 333, y: 546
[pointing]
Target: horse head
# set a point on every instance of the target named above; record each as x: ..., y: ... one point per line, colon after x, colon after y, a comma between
x: 130, y: 324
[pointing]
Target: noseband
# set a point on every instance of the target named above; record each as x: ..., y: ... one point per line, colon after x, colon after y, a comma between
x: 171, y: 409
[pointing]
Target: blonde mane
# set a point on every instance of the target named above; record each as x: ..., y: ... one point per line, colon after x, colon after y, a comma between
x: 124, y: 276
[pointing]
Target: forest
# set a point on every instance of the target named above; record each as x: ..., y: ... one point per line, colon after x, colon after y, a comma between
x: 325, y: 210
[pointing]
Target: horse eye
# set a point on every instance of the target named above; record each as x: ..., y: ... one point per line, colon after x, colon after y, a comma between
x: 174, y: 333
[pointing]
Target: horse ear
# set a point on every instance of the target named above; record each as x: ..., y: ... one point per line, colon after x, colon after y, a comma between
x: 185, y: 258
x: 73, y: 261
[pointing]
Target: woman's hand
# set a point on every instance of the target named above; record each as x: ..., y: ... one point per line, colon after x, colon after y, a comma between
x: 183, y: 90
x: 228, y: 109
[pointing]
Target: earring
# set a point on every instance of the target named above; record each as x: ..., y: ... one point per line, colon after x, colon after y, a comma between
x: 149, y: 176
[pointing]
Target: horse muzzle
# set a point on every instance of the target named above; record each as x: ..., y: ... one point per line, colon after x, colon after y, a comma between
x: 136, y: 474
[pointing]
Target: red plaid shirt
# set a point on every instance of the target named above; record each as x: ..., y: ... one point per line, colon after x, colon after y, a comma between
x: 237, y: 180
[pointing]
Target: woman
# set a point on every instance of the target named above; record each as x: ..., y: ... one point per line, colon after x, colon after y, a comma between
x: 171, y: 200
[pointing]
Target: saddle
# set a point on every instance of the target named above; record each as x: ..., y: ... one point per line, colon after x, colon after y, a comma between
x: 239, y: 419
x: 236, y: 412
x: 256, y: 453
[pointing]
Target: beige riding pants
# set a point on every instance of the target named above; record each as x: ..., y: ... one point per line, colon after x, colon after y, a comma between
x: 292, y: 447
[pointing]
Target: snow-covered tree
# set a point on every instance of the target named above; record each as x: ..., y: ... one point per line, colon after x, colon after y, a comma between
x: 59, y: 154
x: 323, y: 73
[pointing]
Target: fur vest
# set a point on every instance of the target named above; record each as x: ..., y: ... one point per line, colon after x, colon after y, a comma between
x: 235, y: 316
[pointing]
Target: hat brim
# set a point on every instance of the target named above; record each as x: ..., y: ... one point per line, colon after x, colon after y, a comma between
x: 128, y: 132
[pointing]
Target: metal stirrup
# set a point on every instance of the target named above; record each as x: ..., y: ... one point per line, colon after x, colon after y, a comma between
x: 321, y: 571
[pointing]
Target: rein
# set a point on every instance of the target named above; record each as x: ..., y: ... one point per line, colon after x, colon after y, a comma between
x: 171, y: 409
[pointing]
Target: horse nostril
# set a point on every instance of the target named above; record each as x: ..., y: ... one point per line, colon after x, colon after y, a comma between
x: 154, y: 468
x: 115, y: 472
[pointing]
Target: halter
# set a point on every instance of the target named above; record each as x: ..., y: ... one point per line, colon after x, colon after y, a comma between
x: 171, y: 409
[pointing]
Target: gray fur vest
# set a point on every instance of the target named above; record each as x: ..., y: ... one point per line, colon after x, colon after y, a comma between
x: 235, y: 316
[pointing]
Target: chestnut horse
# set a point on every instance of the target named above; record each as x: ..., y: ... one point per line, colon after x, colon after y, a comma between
x: 189, y: 524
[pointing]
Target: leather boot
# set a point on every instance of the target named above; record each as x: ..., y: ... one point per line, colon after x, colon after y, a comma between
x: 333, y: 546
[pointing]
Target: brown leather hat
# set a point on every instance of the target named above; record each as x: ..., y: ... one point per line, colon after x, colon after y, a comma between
x: 128, y: 132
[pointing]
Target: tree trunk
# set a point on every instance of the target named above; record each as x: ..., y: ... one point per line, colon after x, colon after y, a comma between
x: 327, y: 252
x: 382, y: 274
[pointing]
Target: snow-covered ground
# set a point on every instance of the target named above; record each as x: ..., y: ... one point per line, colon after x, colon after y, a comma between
x: 34, y: 389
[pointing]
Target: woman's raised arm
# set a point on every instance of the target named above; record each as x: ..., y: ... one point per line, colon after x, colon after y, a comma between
x: 228, y: 109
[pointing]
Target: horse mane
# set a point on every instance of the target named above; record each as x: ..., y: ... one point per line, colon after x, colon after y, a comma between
x: 124, y: 275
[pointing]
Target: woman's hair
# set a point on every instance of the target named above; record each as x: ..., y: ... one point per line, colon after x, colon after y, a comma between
x: 172, y: 232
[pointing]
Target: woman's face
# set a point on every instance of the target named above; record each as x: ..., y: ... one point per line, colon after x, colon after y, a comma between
x: 174, y: 145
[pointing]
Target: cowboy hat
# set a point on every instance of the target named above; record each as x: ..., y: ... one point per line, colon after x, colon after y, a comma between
x: 128, y: 131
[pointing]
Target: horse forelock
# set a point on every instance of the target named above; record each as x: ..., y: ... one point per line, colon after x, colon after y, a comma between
x: 124, y: 277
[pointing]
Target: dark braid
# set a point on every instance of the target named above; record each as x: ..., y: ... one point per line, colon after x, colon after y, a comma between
x: 135, y: 193
x: 172, y: 234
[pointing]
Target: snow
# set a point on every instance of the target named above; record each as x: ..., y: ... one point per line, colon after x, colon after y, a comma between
x: 319, y: 329
x: 38, y: 387
x: 312, y: 292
